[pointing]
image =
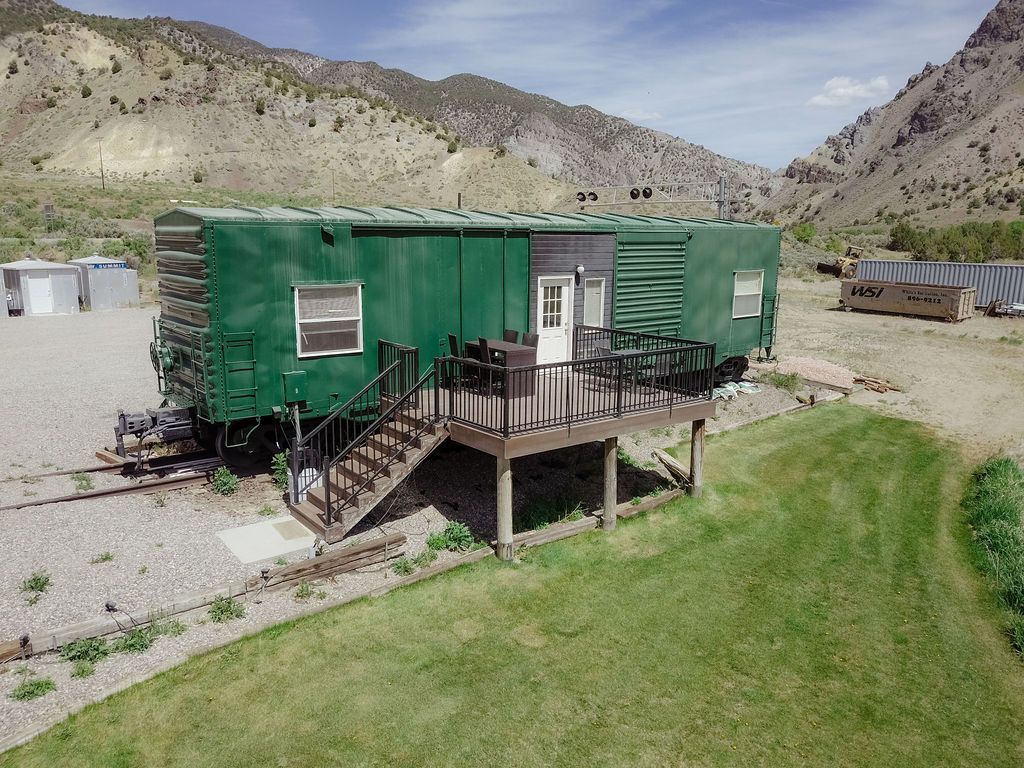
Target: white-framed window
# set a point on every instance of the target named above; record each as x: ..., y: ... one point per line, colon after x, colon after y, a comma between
x: 746, y: 297
x: 593, y: 301
x: 551, y: 306
x: 328, y: 319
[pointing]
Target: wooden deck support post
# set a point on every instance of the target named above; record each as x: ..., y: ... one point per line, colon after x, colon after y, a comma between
x: 697, y: 458
x: 611, y: 483
x: 506, y: 548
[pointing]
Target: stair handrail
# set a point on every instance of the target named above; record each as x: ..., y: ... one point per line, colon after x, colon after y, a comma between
x: 386, y: 416
x: 299, y: 444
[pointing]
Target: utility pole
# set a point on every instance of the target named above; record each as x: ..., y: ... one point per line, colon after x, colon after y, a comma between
x: 103, y: 178
x: 459, y: 203
x: 334, y: 193
x: 723, y: 198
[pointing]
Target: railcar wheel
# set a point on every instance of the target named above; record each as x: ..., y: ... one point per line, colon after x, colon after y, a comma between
x: 257, y: 449
x: 732, y: 369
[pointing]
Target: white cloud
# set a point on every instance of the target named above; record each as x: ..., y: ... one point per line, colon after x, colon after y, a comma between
x: 640, y: 115
x: 840, y: 91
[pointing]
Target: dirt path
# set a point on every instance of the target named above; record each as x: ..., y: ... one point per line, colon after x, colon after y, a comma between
x: 966, y: 379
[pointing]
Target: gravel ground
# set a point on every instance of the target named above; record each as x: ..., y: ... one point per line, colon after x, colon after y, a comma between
x: 964, y: 379
x: 814, y: 369
x: 64, y: 379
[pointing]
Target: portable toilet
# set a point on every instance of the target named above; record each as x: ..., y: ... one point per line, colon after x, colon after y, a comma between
x: 106, y: 283
x: 37, y: 287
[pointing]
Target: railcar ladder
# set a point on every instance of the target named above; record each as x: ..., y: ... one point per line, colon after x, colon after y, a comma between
x: 769, y: 316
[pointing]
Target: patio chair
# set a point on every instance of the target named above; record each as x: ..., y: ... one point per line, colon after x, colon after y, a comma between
x: 512, y: 337
x: 531, y: 339
x: 490, y: 381
x: 658, y: 372
x: 608, y: 370
x: 453, y: 379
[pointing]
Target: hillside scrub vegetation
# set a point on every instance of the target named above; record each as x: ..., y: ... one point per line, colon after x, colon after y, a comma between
x: 804, y: 232
x: 969, y: 242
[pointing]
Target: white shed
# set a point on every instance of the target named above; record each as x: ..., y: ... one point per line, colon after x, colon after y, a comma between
x: 106, y: 283
x: 36, y: 287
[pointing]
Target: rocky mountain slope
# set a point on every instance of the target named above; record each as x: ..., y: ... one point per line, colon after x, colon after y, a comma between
x: 575, y: 143
x: 947, y: 147
x: 192, y: 101
x: 168, y: 107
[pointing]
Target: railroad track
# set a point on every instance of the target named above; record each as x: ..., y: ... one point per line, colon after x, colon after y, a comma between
x: 167, y: 473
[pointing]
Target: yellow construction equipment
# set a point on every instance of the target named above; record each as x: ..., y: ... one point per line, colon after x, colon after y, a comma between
x: 844, y: 267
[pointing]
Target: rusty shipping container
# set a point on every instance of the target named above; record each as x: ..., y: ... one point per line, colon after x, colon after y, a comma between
x: 993, y: 281
x: 953, y: 303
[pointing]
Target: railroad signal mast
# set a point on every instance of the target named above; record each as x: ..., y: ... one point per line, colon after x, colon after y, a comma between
x: 667, y: 192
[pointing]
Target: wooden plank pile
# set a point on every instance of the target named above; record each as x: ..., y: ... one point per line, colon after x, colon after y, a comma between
x: 876, y: 385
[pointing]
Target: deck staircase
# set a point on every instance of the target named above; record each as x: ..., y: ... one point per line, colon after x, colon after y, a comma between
x: 347, y: 465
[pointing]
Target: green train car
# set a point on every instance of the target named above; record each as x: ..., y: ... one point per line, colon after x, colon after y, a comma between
x: 270, y: 313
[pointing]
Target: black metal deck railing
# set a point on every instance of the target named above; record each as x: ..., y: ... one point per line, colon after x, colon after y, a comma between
x: 587, y: 339
x: 615, y: 373
x: 315, y: 454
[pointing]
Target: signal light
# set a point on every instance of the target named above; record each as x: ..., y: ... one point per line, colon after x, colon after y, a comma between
x: 581, y: 196
x: 647, y: 193
x: 634, y: 193
x: 592, y: 197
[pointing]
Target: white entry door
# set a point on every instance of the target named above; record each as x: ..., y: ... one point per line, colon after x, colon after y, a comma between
x: 554, y: 319
x: 40, y: 294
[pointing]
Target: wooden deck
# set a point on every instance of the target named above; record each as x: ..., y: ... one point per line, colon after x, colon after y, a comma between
x: 561, y: 410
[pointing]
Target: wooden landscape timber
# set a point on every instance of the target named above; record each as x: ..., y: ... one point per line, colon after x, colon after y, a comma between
x: 629, y: 509
x: 675, y: 468
x: 340, y: 561
x: 350, y: 558
x: 472, y: 556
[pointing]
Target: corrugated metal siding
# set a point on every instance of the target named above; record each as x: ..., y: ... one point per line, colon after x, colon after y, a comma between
x: 557, y: 255
x: 105, y: 289
x: 184, y: 272
x: 993, y: 281
x: 649, y: 286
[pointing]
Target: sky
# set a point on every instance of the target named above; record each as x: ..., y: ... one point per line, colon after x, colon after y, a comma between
x: 763, y: 81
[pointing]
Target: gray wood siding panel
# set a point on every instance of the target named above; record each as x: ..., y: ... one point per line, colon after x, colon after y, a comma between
x: 557, y: 254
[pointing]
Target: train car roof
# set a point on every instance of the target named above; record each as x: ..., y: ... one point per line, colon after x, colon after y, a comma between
x: 448, y: 218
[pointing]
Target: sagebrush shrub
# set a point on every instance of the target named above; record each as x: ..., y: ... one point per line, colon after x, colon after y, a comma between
x: 91, y: 649
x: 224, y: 609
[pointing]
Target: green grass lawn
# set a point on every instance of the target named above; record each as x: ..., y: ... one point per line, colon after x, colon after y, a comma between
x: 815, y: 608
